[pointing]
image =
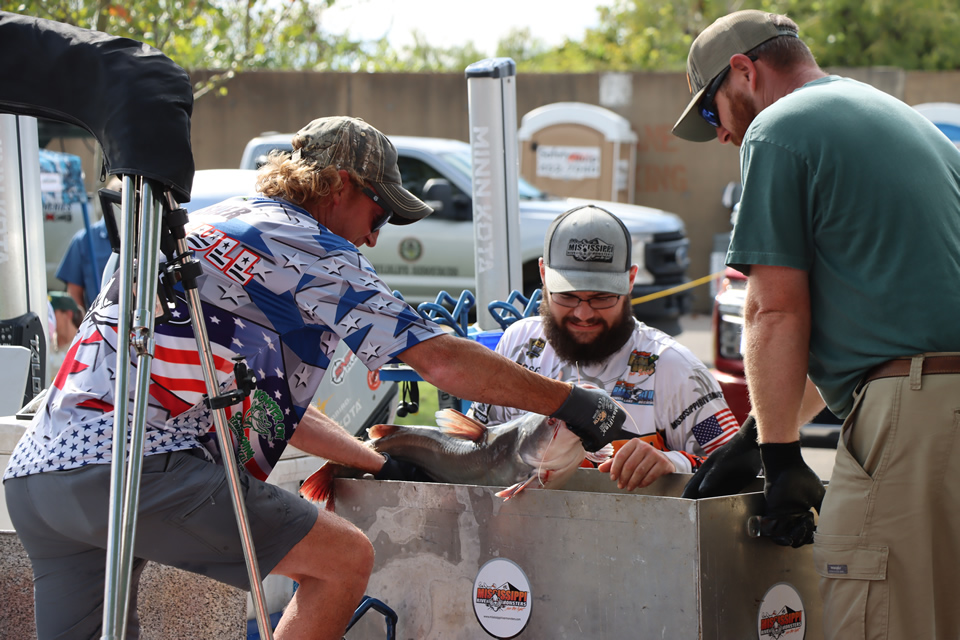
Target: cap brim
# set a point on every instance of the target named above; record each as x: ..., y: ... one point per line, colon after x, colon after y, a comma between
x: 567, y: 280
x: 406, y: 207
x: 691, y: 125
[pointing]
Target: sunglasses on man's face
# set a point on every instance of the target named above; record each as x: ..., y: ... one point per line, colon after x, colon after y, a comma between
x: 387, y: 214
x: 708, y: 103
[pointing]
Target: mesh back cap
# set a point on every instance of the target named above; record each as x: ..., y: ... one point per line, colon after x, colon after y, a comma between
x: 587, y: 249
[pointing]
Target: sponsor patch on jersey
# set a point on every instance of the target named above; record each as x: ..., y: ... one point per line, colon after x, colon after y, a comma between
x: 536, y: 348
x: 643, y: 362
x: 628, y: 392
x: 219, y: 250
x: 698, y: 404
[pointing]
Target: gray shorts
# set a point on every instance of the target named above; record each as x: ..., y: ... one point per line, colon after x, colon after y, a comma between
x: 185, y: 519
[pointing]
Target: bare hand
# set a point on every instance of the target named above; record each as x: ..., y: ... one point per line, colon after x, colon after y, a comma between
x: 637, y: 465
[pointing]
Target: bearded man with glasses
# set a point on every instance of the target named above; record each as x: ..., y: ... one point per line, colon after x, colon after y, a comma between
x: 586, y: 334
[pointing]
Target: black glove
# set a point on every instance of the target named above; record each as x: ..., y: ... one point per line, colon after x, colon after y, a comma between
x: 730, y: 468
x: 790, y: 488
x: 593, y: 416
x: 394, y: 469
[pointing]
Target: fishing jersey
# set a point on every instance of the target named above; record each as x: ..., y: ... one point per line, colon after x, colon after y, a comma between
x: 278, y: 289
x: 671, y: 400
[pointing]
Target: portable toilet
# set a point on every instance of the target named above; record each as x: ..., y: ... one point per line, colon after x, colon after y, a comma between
x: 579, y: 150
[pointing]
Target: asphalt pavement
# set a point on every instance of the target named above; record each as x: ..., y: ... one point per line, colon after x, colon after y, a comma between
x: 698, y: 337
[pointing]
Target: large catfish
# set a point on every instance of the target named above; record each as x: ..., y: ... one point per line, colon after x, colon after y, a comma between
x: 532, y: 450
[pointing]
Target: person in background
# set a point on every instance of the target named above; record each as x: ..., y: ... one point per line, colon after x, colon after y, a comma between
x: 63, y: 321
x: 586, y: 334
x: 849, y: 231
x: 282, y: 283
x: 81, y: 271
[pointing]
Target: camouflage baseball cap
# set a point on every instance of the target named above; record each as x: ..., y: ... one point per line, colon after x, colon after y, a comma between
x: 710, y: 54
x: 351, y: 143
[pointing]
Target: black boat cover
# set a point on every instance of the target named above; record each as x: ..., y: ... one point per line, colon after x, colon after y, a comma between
x: 130, y: 96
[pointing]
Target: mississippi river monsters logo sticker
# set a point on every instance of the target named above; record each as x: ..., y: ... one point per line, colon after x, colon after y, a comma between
x: 595, y: 250
x: 501, y: 598
x: 781, y: 614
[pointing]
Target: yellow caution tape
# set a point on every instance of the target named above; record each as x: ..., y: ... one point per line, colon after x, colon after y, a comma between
x: 672, y: 290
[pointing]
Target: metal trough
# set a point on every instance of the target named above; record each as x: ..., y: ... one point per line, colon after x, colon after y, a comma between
x: 588, y: 561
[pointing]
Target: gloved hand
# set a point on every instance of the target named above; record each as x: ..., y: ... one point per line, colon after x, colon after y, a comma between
x: 394, y: 469
x: 593, y: 416
x: 790, y: 488
x: 730, y: 468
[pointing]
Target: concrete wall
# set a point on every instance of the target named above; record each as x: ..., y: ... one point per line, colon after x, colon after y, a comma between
x: 671, y: 174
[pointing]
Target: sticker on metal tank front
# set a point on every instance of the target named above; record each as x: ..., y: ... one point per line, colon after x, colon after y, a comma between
x: 781, y: 614
x: 501, y: 598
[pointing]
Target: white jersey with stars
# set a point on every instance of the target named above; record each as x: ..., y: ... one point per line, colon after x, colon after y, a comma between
x: 278, y: 289
x: 671, y: 399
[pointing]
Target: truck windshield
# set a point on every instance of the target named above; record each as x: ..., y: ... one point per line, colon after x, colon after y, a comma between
x: 460, y: 160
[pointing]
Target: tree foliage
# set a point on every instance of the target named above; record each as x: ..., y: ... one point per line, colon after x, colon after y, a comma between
x: 224, y: 35
x: 234, y: 35
x: 656, y: 34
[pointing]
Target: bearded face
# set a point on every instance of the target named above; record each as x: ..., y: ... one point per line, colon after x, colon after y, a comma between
x: 585, y: 335
x: 742, y: 113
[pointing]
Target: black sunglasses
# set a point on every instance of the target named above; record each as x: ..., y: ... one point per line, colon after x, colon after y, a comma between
x: 708, y: 103
x: 387, y: 213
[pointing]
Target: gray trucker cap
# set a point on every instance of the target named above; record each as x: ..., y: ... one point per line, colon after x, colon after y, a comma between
x: 587, y: 249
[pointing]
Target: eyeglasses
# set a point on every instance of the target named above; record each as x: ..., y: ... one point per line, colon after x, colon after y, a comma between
x: 387, y: 213
x: 572, y: 302
x: 708, y: 103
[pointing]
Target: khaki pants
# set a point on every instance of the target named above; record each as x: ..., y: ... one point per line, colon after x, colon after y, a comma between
x: 887, y: 546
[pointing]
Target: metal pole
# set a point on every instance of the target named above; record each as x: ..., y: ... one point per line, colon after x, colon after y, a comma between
x: 114, y: 598
x: 141, y: 337
x: 492, y: 96
x: 228, y: 456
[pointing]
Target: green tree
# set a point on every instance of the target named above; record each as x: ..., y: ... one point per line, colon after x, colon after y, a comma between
x: 656, y: 34
x: 225, y: 35
x: 921, y: 34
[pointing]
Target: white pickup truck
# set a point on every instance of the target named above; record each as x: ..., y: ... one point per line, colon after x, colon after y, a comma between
x: 437, y: 253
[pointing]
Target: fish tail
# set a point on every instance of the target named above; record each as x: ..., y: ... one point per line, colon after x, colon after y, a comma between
x: 455, y: 424
x: 381, y: 430
x: 318, y: 487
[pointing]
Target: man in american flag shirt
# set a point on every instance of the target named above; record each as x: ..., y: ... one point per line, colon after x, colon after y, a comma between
x: 282, y: 283
x: 586, y: 334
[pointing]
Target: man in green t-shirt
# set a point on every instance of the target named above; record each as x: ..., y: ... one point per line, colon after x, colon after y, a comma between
x: 849, y: 231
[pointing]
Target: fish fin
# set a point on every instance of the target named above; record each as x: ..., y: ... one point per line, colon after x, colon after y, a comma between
x: 513, y: 490
x: 381, y: 430
x: 318, y: 487
x: 455, y: 424
x: 600, y: 455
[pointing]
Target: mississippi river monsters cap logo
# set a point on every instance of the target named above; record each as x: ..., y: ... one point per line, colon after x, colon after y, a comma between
x: 595, y: 250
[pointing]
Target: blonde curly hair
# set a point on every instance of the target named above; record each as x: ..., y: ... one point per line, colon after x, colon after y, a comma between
x: 300, y: 183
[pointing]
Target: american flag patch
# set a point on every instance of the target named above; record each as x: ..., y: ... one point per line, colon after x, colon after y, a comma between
x: 715, y: 430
